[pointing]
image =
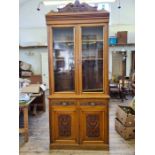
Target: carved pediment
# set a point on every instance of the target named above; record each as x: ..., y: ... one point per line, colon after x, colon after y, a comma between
x: 77, y: 7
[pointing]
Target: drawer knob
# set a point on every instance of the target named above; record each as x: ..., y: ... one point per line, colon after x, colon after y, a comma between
x: 64, y: 103
x: 92, y: 103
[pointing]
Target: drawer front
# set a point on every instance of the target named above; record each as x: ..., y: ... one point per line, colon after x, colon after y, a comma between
x: 63, y: 103
x: 93, y: 103
x: 64, y: 122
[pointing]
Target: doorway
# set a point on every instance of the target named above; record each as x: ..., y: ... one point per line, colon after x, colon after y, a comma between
x: 133, y: 62
x: 118, y: 63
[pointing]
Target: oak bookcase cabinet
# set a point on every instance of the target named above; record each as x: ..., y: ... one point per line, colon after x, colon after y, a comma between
x: 78, y: 76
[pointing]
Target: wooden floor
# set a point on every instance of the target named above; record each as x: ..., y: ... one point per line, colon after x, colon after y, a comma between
x: 38, y: 143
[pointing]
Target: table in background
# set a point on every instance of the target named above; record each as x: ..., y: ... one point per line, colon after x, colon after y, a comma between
x: 37, y: 101
x: 24, y: 107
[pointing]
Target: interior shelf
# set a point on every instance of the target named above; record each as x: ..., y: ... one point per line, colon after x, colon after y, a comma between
x: 62, y: 59
x: 63, y: 41
x: 94, y: 90
x: 94, y: 59
x: 122, y: 45
x: 45, y: 46
x: 92, y: 40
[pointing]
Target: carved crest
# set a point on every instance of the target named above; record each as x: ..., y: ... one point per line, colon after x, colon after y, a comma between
x: 77, y: 7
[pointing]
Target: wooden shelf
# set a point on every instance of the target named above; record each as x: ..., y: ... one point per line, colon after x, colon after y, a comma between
x: 45, y: 46
x: 90, y: 59
x: 71, y: 41
x: 122, y: 45
x: 63, y: 59
x: 94, y: 90
x: 33, y: 46
x: 92, y: 40
x: 63, y: 41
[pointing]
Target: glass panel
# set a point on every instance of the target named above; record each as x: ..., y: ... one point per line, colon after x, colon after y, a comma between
x: 63, y: 53
x: 92, y: 59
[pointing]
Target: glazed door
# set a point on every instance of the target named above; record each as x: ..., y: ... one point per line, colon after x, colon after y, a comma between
x: 92, y: 59
x: 63, y: 39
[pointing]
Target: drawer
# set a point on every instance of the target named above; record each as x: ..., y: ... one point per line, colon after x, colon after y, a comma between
x: 92, y: 103
x: 63, y: 103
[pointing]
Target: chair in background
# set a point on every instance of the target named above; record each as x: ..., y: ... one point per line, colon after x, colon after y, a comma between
x: 115, y: 90
x: 133, y: 84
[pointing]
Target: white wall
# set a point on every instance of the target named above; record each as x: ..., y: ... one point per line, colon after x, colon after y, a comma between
x: 123, y: 19
x: 33, y: 57
x: 32, y: 23
x: 113, y: 29
x: 33, y: 26
x: 129, y: 49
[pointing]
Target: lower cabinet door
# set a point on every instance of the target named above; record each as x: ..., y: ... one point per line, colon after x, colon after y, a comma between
x: 93, y: 123
x: 64, y: 124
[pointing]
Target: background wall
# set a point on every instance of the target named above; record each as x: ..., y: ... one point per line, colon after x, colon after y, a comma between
x: 33, y: 32
x: 33, y: 57
x: 128, y: 59
x: 33, y: 26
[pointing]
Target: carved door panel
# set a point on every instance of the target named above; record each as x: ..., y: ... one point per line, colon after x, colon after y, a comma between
x: 93, y: 124
x: 64, y: 125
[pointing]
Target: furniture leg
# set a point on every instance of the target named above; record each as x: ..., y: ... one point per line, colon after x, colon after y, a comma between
x: 121, y: 95
x: 26, y: 123
x: 34, y: 109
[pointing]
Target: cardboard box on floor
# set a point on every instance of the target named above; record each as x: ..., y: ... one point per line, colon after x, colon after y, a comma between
x: 125, y: 121
x: 126, y: 115
x: 132, y: 104
x: 125, y: 132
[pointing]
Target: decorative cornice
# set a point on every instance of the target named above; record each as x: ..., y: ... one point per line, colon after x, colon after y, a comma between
x: 77, y: 7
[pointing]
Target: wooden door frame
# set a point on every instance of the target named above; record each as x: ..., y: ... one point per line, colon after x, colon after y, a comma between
x: 123, y: 63
x: 105, y: 58
x: 51, y: 64
x: 132, y: 61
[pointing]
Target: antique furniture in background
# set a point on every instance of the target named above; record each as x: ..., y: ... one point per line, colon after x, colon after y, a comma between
x: 78, y: 76
x: 35, y: 79
x: 35, y: 104
x: 122, y: 37
x: 115, y: 91
x: 24, y: 107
